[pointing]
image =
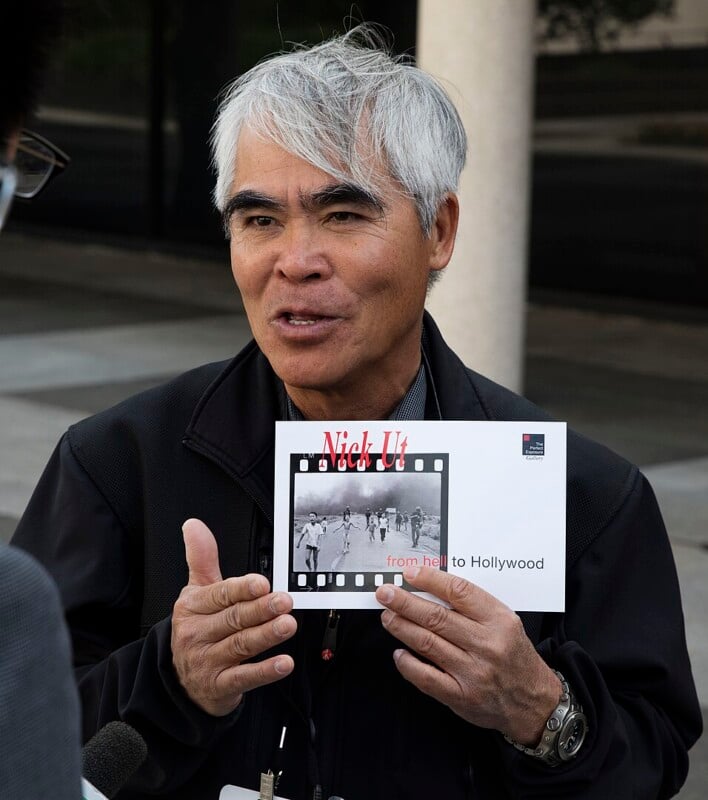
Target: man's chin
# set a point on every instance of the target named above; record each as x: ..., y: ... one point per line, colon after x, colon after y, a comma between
x: 307, y: 374
x: 295, y: 384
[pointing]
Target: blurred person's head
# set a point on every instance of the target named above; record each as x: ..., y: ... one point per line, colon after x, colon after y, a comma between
x: 30, y: 28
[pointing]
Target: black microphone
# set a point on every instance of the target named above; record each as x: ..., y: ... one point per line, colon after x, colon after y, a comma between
x: 109, y: 760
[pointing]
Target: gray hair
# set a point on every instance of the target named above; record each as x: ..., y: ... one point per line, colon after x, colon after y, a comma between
x: 316, y: 102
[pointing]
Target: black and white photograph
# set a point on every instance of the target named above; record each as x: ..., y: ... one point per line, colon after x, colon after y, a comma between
x: 369, y: 521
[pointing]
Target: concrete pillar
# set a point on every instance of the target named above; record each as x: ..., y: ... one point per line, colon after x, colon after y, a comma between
x: 483, y: 52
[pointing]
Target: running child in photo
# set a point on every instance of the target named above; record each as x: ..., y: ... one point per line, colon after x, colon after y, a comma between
x: 347, y: 524
x: 371, y: 526
x: 312, y: 530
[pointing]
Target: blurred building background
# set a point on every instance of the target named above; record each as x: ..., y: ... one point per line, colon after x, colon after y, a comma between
x: 621, y: 150
x: 620, y: 139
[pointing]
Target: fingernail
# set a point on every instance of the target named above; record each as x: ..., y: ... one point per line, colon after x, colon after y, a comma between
x: 255, y: 587
x: 385, y: 595
x: 386, y: 617
x: 411, y: 573
x: 397, y: 654
x: 281, y: 627
x: 281, y: 666
x: 276, y: 603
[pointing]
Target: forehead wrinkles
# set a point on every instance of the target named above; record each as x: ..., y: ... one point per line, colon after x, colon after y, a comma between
x: 269, y: 176
x: 358, y: 157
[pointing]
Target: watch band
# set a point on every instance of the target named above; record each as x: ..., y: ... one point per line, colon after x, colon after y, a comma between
x: 564, y: 732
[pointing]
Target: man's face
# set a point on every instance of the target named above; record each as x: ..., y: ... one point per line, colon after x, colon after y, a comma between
x: 333, y: 281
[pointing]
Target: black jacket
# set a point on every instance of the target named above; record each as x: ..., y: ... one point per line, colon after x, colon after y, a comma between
x: 105, y: 519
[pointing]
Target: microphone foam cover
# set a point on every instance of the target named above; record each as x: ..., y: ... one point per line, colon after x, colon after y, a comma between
x: 112, y: 756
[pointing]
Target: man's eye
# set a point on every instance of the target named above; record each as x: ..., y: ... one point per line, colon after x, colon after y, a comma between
x: 260, y: 221
x: 343, y: 216
x: 257, y: 221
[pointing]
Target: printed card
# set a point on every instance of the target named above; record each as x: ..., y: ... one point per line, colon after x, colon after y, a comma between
x: 357, y: 502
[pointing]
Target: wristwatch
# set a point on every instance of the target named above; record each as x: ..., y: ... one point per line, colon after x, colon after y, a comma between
x: 564, y: 732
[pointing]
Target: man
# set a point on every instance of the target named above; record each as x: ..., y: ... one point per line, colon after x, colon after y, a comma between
x: 39, y: 709
x: 416, y: 524
x: 383, y: 526
x: 337, y: 169
x: 313, y: 531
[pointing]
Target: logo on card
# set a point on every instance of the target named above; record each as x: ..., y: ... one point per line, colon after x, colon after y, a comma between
x: 533, y: 444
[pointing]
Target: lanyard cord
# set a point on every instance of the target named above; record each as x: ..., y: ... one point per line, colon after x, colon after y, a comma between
x: 303, y: 712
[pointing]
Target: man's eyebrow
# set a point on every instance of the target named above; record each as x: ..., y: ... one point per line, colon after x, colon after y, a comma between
x: 248, y: 200
x: 342, y: 193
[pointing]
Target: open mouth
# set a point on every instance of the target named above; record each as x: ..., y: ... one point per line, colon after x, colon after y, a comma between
x: 303, y: 319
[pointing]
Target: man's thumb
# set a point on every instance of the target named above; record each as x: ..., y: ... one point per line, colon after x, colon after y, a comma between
x: 202, y: 553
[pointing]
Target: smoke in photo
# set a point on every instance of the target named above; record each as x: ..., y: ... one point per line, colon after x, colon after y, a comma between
x: 330, y: 493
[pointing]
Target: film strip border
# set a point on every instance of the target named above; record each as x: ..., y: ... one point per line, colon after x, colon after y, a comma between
x: 343, y: 581
x: 369, y: 462
x: 367, y: 581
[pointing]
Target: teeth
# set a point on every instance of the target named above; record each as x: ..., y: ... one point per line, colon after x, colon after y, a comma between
x: 301, y: 321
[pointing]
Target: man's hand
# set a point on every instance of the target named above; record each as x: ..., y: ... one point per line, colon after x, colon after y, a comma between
x: 484, y: 667
x: 217, y: 625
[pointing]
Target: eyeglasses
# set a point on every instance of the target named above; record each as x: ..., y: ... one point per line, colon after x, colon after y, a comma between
x: 37, y: 162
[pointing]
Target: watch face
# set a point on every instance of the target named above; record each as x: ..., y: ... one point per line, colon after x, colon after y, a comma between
x: 575, y: 728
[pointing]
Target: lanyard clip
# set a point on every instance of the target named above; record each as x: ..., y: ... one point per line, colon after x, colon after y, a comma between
x: 269, y: 780
x: 267, y: 786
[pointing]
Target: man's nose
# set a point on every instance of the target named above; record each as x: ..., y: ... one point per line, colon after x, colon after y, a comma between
x: 303, y: 254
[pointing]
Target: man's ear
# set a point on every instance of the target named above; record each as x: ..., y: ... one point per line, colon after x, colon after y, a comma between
x: 443, y: 232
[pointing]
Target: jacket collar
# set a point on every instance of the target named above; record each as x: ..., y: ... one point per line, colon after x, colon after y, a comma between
x: 453, y: 386
x: 233, y: 423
